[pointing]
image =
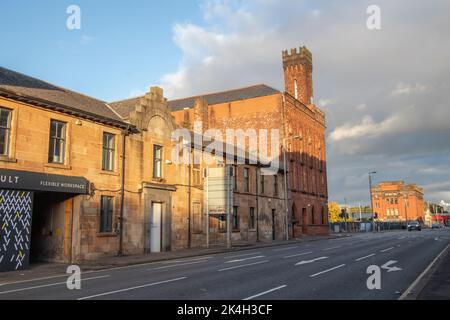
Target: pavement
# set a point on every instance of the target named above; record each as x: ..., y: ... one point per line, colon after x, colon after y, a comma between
x: 328, y: 268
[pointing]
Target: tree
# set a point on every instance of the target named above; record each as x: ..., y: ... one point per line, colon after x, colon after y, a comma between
x: 334, y: 210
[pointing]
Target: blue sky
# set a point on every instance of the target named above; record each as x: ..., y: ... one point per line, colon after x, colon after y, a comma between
x: 117, y: 43
x: 385, y: 93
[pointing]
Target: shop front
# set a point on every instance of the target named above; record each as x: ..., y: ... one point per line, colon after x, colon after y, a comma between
x: 36, y: 217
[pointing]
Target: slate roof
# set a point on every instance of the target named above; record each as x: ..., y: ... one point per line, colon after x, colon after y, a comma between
x: 123, y: 107
x: 260, y: 90
x: 26, y: 87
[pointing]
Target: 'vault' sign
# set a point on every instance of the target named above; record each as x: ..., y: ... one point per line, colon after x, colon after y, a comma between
x: 25, y: 180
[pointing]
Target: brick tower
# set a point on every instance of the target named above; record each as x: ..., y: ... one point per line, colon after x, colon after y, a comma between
x: 298, y: 69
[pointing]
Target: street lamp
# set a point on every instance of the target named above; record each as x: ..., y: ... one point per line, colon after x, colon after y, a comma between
x: 286, y: 213
x: 371, y: 199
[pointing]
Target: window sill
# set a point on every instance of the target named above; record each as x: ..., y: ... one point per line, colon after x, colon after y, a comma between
x: 58, y: 166
x: 8, y: 159
x: 109, y: 173
x: 106, y: 234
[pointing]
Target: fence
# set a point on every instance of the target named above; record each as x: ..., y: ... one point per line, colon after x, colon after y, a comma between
x: 337, y: 227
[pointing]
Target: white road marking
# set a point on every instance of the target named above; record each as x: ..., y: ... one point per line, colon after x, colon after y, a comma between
x: 176, y: 265
x: 365, y: 257
x: 385, y: 250
x: 187, y: 260
x: 328, y: 270
x: 132, y: 288
x: 310, y: 261
x: 244, y: 259
x: 414, y: 284
x: 265, y: 292
x: 243, y: 265
x: 241, y: 255
x: 32, y: 280
x: 49, y: 285
x: 298, y: 254
x: 286, y: 248
x: 387, y: 267
x: 326, y: 249
x: 401, y: 238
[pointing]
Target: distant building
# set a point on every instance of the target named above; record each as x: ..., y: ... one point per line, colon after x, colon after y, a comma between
x: 435, y: 213
x: 397, y: 201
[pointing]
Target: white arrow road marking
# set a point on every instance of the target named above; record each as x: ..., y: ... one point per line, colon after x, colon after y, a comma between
x: 310, y: 261
x: 244, y: 259
x: 387, y: 267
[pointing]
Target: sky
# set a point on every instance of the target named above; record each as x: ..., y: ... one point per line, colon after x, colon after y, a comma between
x: 385, y: 92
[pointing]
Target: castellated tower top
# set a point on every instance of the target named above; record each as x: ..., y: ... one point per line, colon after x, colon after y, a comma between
x: 298, y: 78
x: 297, y: 56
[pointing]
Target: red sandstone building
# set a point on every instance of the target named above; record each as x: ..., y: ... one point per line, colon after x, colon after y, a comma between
x: 397, y: 201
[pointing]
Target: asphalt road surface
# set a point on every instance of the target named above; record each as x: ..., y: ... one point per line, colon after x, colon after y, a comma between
x: 322, y: 269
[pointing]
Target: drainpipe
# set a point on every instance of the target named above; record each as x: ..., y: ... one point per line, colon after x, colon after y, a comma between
x: 257, y: 206
x: 189, y: 200
x: 122, y: 194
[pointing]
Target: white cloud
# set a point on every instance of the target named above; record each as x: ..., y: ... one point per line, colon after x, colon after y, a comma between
x: 325, y: 102
x: 407, y: 89
x: 240, y: 42
x: 85, y: 39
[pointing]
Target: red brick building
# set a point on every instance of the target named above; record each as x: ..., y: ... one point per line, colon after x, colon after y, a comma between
x: 397, y: 201
x: 301, y: 125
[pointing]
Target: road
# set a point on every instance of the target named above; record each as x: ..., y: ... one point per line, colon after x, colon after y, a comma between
x: 322, y: 269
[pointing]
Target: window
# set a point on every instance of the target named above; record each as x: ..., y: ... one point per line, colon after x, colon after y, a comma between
x: 246, y: 180
x: 235, y: 178
x: 196, y: 169
x: 313, y: 220
x: 5, y: 130
x: 157, y: 161
x: 323, y: 215
x: 57, y: 146
x: 275, y: 185
x: 251, y: 219
x: 108, y: 151
x: 106, y: 214
x: 295, y: 89
x: 235, y: 218
x: 262, y: 183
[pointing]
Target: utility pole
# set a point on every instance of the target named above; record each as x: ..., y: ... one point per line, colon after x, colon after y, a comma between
x: 371, y: 199
x: 229, y: 204
x: 206, y: 174
x: 345, y: 215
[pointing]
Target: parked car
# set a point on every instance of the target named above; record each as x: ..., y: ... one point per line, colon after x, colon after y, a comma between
x: 413, y: 225
x: 437, y: 226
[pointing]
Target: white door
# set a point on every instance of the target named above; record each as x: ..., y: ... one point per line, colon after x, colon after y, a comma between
x: 155, y: 227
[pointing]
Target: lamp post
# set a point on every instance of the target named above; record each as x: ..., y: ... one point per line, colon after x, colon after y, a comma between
x: 286, y: 207
x: 371, y: 199
x: 405, y: 196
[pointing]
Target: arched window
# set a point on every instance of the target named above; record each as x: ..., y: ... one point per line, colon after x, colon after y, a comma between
x: 295, y: 89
